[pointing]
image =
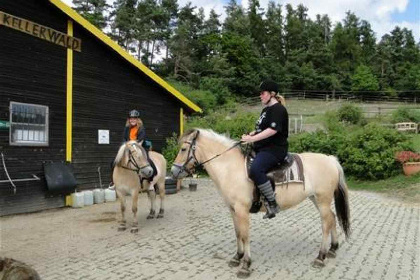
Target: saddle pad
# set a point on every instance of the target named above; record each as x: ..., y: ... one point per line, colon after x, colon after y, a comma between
x: 291, y: 174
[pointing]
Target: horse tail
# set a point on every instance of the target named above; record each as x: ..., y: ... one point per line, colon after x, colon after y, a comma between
x: 341, y: 199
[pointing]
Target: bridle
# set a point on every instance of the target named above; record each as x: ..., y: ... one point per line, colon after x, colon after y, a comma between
x: 191, y: 156
x: 133, y: 161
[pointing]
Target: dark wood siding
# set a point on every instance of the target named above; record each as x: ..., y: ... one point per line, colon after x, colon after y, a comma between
x: 106, y: 88
x: 31, y: 71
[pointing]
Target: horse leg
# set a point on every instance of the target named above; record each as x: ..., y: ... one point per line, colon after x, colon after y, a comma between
x: 122, y: 225
x: 152, y: 198
x: 334, y: 239
x: 327, y: 217
x: 161, y: 186
x: 236, y: 260
x: 241, y: 222
x: 135, y: 223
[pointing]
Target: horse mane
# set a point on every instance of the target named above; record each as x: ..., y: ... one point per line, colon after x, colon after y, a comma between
x: 209, y: 133
x: 122, y: 151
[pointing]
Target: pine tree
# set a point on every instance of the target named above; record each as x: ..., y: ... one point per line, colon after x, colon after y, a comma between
x: 92, y: 10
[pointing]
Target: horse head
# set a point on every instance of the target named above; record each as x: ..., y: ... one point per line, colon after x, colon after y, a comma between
x: 186, y: 159
x: 137, y: 159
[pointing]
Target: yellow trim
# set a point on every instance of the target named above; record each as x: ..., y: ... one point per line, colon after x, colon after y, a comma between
x: 100, y: 35
x: 181, y: 121
x: 69, y: 200
x: 69, y: 99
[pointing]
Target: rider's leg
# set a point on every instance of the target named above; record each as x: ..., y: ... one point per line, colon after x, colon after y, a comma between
x: 261, y: 164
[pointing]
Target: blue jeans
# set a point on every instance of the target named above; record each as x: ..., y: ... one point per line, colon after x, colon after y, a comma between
x: 262, y: 163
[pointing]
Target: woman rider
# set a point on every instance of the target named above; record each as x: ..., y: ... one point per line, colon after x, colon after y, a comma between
x: 270, y: 142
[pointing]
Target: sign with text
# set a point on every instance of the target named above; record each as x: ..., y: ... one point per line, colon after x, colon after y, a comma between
x: 40, y: 31
x: 103, y: 136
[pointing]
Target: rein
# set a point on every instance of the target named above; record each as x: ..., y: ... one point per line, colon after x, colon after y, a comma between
x: 132, y: 160
x: 193, y: 157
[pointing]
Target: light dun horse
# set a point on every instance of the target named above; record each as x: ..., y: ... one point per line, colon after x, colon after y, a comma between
x: 130, y: 162
x: 324, y: 180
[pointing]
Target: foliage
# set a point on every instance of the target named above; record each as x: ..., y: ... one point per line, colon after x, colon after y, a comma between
x: 170, y: 150
x: 231, y: 122
x: 350, y: 113
x: 406, y: 115
x: 256, y: 43
x: 366, y: 152
x: 93, y: 11
x: 407, y: 156
x: 364, y: 80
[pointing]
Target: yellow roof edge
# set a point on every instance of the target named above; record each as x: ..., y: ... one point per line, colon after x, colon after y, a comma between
x: 104, y: 38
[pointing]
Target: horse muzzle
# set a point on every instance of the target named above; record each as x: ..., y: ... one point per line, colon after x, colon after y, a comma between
x: 146, y: 171
x: 178, y: 171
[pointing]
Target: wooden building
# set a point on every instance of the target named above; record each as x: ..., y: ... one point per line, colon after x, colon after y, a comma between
x: 65, y: 93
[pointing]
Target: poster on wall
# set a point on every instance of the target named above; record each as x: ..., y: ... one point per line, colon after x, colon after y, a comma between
x: 103, y: 136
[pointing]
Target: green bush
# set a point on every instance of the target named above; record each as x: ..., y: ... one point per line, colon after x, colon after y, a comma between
x: 365, y: 152
x: 350, y: 113
x: 233, y: 124
x: 369, y: 152
x: 170, y: 150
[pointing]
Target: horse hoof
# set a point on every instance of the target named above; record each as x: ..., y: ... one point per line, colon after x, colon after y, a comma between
x: 159, y: 216
x: 122, y: 228
x: 234, y: 263
x: 243, y: 273
x: 317, y: 263
x: 150, y: 217
x: 331, y: 254
x: 134, y: 230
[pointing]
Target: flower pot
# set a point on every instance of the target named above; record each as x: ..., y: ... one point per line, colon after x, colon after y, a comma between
x: 411, y: 168
x: 193, y: 187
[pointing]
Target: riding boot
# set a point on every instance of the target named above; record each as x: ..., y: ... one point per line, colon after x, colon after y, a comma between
x: 272, y: 208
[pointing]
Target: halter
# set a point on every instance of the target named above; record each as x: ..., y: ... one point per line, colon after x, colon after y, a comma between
x: 191, y: 156
x: 133, y: 161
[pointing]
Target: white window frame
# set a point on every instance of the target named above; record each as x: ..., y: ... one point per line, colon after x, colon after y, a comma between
x: 26, y: 131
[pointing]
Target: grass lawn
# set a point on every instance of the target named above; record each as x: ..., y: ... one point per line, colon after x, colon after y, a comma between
x: 400, y: 187
x: 416, y: 142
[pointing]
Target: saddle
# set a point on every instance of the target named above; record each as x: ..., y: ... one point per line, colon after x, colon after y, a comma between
x: 287, y: 171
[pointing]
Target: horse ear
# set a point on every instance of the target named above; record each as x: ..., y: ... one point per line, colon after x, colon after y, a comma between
x: 141, y: 143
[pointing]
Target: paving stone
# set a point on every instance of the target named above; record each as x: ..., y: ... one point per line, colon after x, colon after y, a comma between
x: 196, y: 239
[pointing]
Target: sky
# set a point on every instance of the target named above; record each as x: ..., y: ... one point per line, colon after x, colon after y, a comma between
x: 383, y: 15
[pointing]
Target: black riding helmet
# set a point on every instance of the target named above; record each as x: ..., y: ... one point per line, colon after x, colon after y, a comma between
x: 269, y: 86
x: 134, y: 114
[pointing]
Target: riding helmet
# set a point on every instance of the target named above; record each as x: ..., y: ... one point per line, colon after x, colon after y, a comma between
x: 134, y: 114
x: 269, y: 86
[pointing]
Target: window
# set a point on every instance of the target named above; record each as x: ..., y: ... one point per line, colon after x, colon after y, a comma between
x: 28, y: 124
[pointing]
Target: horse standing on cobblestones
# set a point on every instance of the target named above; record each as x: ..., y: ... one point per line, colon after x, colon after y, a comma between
x: 130, y: 163
x: 324, y: 181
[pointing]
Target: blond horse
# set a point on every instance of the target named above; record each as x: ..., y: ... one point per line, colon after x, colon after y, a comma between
x: 324, y: 181
x: 130, y: 163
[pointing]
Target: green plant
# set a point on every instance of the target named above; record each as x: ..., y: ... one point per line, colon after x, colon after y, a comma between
x: 350, y: 113
x: 170, y: 150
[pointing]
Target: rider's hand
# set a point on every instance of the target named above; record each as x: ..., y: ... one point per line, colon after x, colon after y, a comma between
x: 246, y: 138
